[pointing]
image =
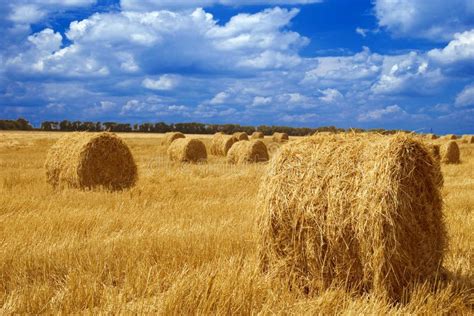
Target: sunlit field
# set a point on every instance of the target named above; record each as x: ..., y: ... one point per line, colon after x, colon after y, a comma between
x: 182, y: 241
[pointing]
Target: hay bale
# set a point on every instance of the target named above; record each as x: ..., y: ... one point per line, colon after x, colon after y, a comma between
x: 431, y: 136
x: 187, y: 150
x: 221, y: 144
x: 171, y: 137
x: 451, y: 153
x: 90, y: 160
x: 248, y: 152
x: 450, y: 137
x: 257, y: 135
x: 360, y: 211
x: 280, y: 137
x: 467, y: 139
x: 240, y: 136
x: 273, y: 148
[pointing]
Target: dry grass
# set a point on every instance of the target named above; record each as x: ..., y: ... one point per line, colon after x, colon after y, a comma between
x: 182, y: 241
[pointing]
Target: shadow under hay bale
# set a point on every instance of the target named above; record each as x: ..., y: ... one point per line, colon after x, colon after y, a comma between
x: 257, y: 135
x: 90, y: 160
x: 187, y: 150
x: 248, y: 152
x: 221, y: 144
x: 240, y: 136
x: 280, y: 137
x: 360, y: 211
x: 451, y: 153
x: 171, y: 137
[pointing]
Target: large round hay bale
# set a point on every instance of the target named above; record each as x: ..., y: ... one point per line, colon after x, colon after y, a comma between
x: 221, y: 144
x: 361, y: 211
x: 171, y: 137
x: 468, y: 139
x: 451, y: 152
x: 248, y: 152
x: 280, y: 137
x: 187, y: 150
x: 241, y: 136
x: 257, y: 135
x: 450, y: 137
x: 90, y: 160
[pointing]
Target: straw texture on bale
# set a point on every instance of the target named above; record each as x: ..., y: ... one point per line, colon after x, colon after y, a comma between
x: 187, y: 150
x: 360, y: 211
x: 257, y: 135
x: 469, y: 139
x: 241, y: 136
x: 221, y: 144
x: 280, y: 137
x: 450, y: 137
x: 172, y: 136
x: 248, y: 152
x: 89, y: 160
x: 451, y: 152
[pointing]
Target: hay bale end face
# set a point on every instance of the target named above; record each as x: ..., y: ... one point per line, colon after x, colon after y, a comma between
x: 450, y: 137
x: 221, y: 144
x: 467, y: 139
x: 240, y: 136
x: 171, y: 137
x: 451, y: 153
x: 364, y: 212
x: 257, y: 135
x: 248, y: 152
x: 90, y: 160
x: 280, y: 137
x: 187, y: 150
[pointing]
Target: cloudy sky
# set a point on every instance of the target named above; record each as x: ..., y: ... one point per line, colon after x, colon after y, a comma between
x: 367, y: 63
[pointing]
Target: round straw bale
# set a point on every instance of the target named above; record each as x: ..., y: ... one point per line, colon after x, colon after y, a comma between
x: 171, y: 137
x: 257, y: 135
x: 360, y: 211
x: 468, y: 139
x: 187, y: 150
x: 221, y: 144
x: 280, y: 137
x: 431, y: 136
x: 450, y: 137
x: 248, y: 152
x: 241, y: 136
x: 89, y: 160
x: 451, y: 152
x: 273, y: 148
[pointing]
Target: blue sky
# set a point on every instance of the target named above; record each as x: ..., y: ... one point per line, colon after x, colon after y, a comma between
x: 377, y: 63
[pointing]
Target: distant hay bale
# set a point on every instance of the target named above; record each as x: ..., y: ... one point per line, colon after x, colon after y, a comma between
x: 431, y: 136
x: 248, y: 152
x: 257, y: 135
x: 450, y: 137
x: 241, y: 136
x: 221, y: 144
x: 451, y: 152
x: 171, y: 137
x: 360, y: 211
x: 280, y: 137
x: 90, y: 160
x: 187, y: 150
x: 468, y: 139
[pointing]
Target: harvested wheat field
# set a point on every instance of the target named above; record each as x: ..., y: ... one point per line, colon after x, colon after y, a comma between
x: 185, y: 238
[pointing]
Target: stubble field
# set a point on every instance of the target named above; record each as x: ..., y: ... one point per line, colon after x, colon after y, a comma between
x: 182, y: 241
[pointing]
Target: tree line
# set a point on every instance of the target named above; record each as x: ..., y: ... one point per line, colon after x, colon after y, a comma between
x: 162, y: 127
